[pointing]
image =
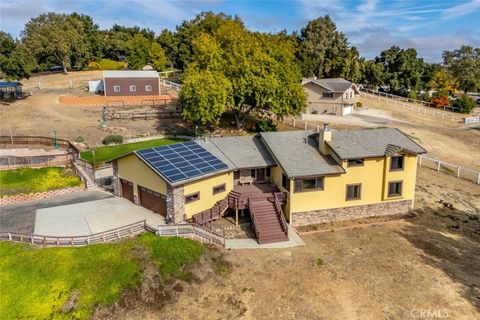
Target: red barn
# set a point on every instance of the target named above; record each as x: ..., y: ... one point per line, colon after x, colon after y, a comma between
x: 131, y: 83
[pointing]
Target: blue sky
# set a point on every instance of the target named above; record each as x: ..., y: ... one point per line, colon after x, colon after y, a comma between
x: 371, y: 25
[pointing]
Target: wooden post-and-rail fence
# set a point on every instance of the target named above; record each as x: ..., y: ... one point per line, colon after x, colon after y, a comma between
x: 181, y: 230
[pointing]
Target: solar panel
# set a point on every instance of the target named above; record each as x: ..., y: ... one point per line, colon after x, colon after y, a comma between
x: 182, y: 161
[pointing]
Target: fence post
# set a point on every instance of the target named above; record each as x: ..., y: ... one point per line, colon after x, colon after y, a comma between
x: 458, y: 172
x: 478, y: 180
x: 420, y: 160
x: 306, y: 125
x: 438, y: 165
x: 294, y: 122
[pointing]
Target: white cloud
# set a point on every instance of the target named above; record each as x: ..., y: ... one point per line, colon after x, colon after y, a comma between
x: 461, y: 10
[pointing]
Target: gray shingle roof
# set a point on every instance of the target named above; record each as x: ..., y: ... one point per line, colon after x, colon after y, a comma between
x: 333, y: 84
x: 298, y: 155
x: 242, y: 152
x: 130, y: 74
x: 372, y: 143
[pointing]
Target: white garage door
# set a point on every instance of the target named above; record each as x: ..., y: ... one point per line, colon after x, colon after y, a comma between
x: 347, y: 109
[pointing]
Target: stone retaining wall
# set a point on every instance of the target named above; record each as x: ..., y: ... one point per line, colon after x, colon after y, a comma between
x: 37, y: 196
x: 350, y: 213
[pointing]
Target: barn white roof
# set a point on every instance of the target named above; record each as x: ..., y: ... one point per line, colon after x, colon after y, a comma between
x: 130, y: 74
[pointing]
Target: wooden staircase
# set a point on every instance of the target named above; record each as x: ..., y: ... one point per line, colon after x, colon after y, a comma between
x: 267, y: 223
x: 264, y: 204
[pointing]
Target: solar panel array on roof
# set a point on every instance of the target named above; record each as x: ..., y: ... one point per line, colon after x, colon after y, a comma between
x: 182, y: 161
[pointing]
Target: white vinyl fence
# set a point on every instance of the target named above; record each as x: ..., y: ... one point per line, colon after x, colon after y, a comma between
x: 448, y: 168
x: 471, y: 120
x: 413, y: 105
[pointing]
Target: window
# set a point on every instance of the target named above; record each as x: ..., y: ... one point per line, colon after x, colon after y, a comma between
x: 148, y: 88
x: 356, y: 162
x: 116, y: 88
x: 396, y: 163
x: 192, y: 197
x: 252, y: 173
x: 133, y: 88
x: 395, y: 188
x: 353, y: 191
x: 327, y: 94
x: 309, y: 185
x: 218, y: 189
x: 236, y: 175
x: 285, y: 181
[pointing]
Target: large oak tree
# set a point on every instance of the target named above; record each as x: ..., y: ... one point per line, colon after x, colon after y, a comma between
x: 244, y: 71
x: 55, y: 36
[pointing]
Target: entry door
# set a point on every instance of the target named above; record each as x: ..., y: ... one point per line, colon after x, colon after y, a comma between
x: 261, y: 175
x: 127, y: 189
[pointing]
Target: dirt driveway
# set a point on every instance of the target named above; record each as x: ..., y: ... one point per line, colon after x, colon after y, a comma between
x: 389, y: 271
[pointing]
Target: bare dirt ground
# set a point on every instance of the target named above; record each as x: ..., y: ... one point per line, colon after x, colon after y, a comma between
x: 394, y: 270
x: 41, y: 113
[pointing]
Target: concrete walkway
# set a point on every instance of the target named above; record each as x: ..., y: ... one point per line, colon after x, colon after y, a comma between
x: 91, y: 217
x: 294, y: 241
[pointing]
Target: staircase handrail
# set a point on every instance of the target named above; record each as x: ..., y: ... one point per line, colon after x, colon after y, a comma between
x: 279, y: 213
x: 254, y: 219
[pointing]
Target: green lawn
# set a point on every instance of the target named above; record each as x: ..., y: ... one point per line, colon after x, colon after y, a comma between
x: 36, y: 282
x: 103, y: 154
x: 27, y: 180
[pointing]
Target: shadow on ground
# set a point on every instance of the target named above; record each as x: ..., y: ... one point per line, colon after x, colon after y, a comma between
x: 450, y: 241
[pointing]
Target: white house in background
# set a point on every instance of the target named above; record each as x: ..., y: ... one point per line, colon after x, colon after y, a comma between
x: 335, y: 96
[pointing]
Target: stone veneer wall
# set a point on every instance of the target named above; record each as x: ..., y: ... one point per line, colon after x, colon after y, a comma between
x: 176, y: 203
x: 117, y: 186
x: 350, y: 213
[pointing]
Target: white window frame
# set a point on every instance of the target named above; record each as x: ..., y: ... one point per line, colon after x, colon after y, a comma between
x: 134, y: 87
x: 116, y: 88
x: 148, y: 88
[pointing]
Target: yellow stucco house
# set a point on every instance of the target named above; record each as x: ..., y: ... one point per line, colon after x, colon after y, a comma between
x: 295, y: 177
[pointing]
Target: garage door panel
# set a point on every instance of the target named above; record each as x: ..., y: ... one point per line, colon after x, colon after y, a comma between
x: 153, y: 201
x: 347, y: 109
x: 127, y: 190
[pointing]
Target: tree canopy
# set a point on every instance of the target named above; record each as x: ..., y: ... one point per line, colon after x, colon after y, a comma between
x: 253, y: 71
x: 55, y: 37
x: 464, y: 66
x: 262, y: 70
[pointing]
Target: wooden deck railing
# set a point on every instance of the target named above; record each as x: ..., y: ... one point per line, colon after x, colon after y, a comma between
x: 254, y: 219
x: 279, y: 212
x: 78, y: 241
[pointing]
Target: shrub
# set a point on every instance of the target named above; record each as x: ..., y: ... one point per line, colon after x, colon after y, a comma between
x: 412, y: 94
x: 106, y: 64
x: 464, y: 103
x: 265, y: 125
x: 113, y: 139
x: 320, y: 262
x: 440, y: 102
x: 79, y: 139
x: 359, y: 104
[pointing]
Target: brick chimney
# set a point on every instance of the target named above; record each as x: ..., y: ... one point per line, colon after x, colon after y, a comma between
x: 324, y: 136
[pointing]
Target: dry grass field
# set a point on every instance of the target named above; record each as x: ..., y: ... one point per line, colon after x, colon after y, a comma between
x: 392, y: 270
